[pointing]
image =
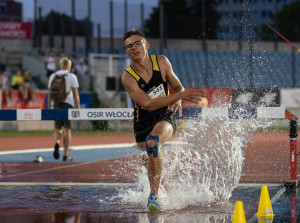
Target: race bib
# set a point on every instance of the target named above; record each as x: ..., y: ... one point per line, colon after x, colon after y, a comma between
x: 157, y: 92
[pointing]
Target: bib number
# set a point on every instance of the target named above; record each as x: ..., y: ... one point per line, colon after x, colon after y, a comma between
x: 157, y: 92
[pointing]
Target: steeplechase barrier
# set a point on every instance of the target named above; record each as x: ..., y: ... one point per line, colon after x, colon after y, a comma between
x: 187, y: 113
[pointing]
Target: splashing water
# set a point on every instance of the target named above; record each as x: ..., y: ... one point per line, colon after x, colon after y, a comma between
x: 202, y: 169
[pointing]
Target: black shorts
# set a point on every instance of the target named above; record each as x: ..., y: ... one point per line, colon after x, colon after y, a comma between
x: 15, y: 87
x: 49, y: 72
x: 142, y: 130
x: 63, y: 123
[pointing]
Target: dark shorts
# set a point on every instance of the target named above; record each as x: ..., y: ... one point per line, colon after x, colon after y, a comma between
x: 63, y: 123
x: 142, y: 131
x: 49, y: 72
x: 15, y: 87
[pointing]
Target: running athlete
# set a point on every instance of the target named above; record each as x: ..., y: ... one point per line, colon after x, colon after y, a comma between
x: 146, y: 80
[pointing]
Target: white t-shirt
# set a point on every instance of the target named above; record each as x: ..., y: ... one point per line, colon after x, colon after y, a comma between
x: 51, y: 63
x: 71, y: 82
x: 81, y: 70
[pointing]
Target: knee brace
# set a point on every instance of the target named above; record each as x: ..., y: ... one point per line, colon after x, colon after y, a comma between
x: 154, y: 149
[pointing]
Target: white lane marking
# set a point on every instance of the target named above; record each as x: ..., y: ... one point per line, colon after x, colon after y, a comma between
x: 67, y: 184
x: 259, y: 184
x: 84, y: 147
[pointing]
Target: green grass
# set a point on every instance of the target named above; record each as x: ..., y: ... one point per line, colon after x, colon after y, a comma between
x: 50, y: 133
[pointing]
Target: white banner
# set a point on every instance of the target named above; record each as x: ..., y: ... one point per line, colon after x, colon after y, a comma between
x: 101, y: 114
x: 290, y: 98
x: 29, y: 114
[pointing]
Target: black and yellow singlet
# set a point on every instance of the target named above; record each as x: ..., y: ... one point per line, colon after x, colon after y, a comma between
x: 144, y: 120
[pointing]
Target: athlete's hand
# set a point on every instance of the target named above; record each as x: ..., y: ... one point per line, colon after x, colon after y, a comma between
x: 193, y: 94
x: 176, y: 107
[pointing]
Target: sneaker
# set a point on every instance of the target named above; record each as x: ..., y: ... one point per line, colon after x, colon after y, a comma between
x: 38, y: 159
x: 67, y: 158
x: 152, y: 203
x: 56, y: 151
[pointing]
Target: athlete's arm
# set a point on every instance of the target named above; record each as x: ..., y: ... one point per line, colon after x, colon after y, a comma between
x: 169, y: 75
x: 49, y: 101
x: 167, y: 70
x: 74, y: 87
x: 49, y: 97
x: 76, y: 97
x: 143, y: 100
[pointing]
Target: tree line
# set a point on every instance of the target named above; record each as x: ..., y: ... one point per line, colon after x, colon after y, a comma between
x: 183, y: 19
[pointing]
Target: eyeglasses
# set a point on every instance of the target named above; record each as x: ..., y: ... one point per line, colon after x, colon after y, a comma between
x: 136, y: 44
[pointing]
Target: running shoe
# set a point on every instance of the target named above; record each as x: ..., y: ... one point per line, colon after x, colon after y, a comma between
x: 56, y: 151
x: 67, y: 158
x: 152, y: 203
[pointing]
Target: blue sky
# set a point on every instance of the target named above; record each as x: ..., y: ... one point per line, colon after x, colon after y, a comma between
x: 99, y: 12
x: 28, y: 5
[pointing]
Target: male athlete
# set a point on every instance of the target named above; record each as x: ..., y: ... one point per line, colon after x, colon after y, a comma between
x: 146, y: 80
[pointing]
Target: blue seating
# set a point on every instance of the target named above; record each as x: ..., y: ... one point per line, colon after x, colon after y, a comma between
x: 233, y: 69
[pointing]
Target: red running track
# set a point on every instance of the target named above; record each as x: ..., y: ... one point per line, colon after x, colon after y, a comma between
x: 266, y: 161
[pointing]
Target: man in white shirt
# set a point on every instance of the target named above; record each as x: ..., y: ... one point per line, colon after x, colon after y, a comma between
x: 81, y: 71
x: 71, y: 99
x: 81, y: 68
x: 50, y: 62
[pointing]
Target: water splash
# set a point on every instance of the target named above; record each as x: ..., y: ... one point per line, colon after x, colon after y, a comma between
x: 201, y: 170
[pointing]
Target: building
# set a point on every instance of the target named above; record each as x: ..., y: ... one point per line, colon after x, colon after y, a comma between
x: 10, y: 11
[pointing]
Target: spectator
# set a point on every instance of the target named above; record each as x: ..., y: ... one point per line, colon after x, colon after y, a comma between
x: 81, y: 71
x: 62, y: 54
x: 63, y: 100
x: 4, y: 83
x: 50, y: 63
x: 18, y: 84
x: 29, y: 90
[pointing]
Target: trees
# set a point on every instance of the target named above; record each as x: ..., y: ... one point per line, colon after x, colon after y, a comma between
x: 183, y: 19
x: 58, y: 20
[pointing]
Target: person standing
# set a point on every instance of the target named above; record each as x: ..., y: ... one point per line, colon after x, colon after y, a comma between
x: 146, y: 80
x: 29, y: 89
x: 63, y: 94
x: 81, y: 70
x: 4, y: 85
x: 50, y: 63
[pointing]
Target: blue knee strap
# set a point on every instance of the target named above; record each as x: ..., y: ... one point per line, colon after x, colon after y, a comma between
x: 154, y: 149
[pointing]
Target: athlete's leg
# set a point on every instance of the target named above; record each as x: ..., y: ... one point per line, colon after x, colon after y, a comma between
x: 164, y: 131
x: 57, y: 137
x: 67, y: 140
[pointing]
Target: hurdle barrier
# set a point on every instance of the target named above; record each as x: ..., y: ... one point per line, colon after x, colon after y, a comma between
x: 278, y: 113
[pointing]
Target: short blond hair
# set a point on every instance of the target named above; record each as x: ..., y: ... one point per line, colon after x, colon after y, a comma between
x: 65, y: 62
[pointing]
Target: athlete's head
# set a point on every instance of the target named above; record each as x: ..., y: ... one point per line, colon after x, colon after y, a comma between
x: 132, y: 33
x: 135, y: 43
